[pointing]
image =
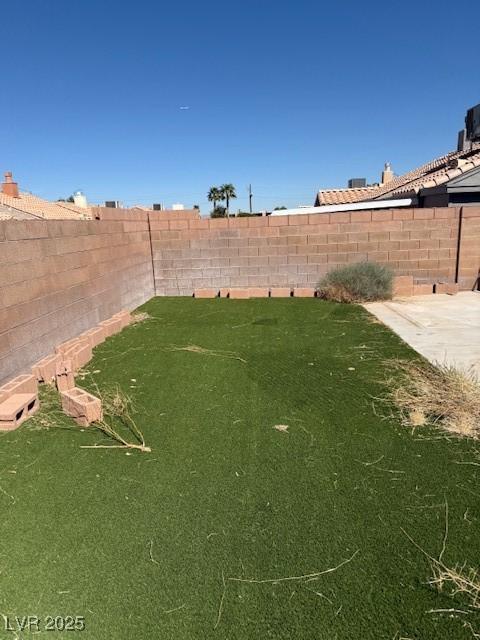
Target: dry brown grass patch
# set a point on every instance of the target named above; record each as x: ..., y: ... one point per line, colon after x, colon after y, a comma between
x: 140, y: 316
x: 443, y: 396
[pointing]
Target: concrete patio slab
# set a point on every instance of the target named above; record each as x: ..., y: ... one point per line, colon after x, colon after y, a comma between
x: 444, y: 329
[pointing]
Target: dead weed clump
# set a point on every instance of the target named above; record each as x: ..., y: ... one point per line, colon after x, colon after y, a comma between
x: 140, y: 316
x: 118, y: 421
x: 442, y: 395
x: 457, y: 580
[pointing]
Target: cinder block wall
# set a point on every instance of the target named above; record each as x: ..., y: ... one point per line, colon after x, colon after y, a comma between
x: 59, y: 278
x: 297, y: 250
x: 469, y: 249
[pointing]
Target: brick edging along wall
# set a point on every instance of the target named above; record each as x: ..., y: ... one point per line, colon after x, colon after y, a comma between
x: 59, y: 277
x: 295, y: 251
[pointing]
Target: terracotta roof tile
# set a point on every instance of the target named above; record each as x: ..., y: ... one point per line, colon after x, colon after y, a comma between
x: 35, y: 206
x: 344, y: 196
x: 431, y: 174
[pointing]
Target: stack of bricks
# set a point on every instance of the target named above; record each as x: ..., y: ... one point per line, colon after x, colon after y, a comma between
x: 18, y: 401
x: 74, y: 354
x: 19, y: 397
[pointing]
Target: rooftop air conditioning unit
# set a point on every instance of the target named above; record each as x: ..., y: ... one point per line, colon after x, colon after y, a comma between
x: 472, y: 122
x: 357, y: 183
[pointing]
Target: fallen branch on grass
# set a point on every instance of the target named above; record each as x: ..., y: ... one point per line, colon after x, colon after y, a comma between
x: 118, y: 407
x: 193, y: 348
x: 307, y: 577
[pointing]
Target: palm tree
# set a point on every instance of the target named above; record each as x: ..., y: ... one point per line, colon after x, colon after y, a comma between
x: 214, y: 195
x: 228, y: 193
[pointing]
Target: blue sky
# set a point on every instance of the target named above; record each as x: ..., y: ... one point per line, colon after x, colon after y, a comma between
x: 287, y: 96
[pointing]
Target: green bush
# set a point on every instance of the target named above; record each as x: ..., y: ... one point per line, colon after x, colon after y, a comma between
x: 359, y: 282
x: 219, y: 212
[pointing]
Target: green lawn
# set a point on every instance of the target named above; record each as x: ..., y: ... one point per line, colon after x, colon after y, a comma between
x: 147, y: 545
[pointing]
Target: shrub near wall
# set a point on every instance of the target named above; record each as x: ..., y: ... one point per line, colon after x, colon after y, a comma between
x: 361, y: 282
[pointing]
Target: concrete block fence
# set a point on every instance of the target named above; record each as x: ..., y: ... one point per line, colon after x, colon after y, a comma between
x: 59, y: 278
x: 295, y: 251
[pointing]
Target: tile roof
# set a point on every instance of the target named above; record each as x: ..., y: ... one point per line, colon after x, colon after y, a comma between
x: 39, y: 208
x: 344, y: 196
x: 433, y: 173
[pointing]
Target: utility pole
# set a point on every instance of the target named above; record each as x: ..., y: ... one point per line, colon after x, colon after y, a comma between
x: 250, y: 196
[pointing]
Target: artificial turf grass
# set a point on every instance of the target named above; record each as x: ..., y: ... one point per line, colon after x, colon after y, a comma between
x: 138, y: 544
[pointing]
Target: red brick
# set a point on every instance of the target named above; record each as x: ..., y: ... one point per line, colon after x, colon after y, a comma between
x: 64, y: 375
x: 258, y: 221
x: 360, y: 216
x: 25, y: 383
x: 124, y: 316
x: 339, y: 217
x: 447, y: 287
x: 382, y: 215
x: 304, y: 292
x: 403, y: 214
x: 206, y: 293
x: 82, y: 406
x: 79, y: 354
x: 45, y: 369
x: 280, y: 292
x: 398, y: 255
x: 26, y: 229
x: 403, y: 286
x: 16, y: 409
x: 217, y: 223
x: 423, y: 214
x: 259, y: 292
x: 471, y: 212
x: 378, y: 236
x: 277, y: 221
x: 443, y: 213
x: 239, y: 293
x: 111, y: 326
x: 94, y: 336
x: 422, y: 289
x: 319, y: 218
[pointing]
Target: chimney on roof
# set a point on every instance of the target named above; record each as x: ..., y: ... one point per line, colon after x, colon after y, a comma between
x: 387, y: 173
x: 80, y: 200
x: 9, y: 187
